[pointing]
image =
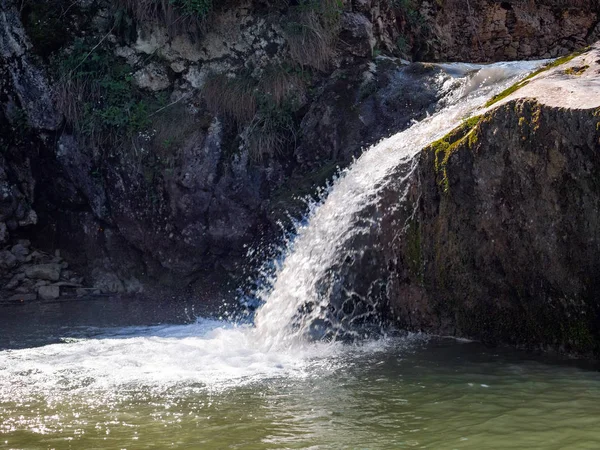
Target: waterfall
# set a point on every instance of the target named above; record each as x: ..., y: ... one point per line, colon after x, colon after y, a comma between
x: 303, y: 287
x: 296, y: 302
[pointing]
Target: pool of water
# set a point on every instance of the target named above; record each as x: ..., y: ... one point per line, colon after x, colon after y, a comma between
x: 102, y: 383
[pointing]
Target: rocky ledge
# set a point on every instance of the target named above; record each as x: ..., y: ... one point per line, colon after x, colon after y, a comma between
x: 501, y: 241
x: 29, y: 274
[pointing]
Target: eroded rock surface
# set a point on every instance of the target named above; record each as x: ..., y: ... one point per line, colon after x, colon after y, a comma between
x: 499, y: 233
x: 155, y: 177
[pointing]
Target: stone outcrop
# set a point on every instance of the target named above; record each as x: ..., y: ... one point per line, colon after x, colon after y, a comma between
x: 490, y: 30
x: 498, y: 238
x: 28, y: 274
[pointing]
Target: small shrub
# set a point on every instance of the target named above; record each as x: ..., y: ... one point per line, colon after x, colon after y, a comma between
x: 402, y: 45
x: 272, y: 129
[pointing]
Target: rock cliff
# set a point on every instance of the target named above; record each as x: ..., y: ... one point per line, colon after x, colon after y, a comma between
x: 153, y: 142
x: 503, y: 243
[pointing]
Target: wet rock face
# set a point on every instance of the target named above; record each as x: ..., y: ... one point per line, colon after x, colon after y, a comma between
x: 26, y: 80
x: 504, y: 246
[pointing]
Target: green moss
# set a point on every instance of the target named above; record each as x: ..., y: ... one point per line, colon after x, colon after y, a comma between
x: 515, y: 87
x: 98, y: 97
x: 444, y: 147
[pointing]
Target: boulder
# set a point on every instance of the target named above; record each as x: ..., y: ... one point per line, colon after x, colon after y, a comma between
x: 21, y: 252
x: 14, y: 281
x: 357, y: 34
x: 49, y: 292
x: 7, y: 260
x: 152, y: 77
x: 50, y: 272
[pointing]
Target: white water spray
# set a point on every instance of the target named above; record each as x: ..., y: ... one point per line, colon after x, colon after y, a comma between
x: 320, y: 243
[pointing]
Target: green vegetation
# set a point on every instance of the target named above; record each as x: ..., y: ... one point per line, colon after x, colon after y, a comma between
x: 271, y: 130
x: 414, y: 24
x: 98, y: 98
x: 312, y: 32
x: 515, y: 87
x: 445, y: 147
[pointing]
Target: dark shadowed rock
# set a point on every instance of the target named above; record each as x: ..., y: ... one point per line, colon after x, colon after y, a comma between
x: 7, y: 260
x: 49, y: 292
x: 22, y: 297
x: 49, y: 272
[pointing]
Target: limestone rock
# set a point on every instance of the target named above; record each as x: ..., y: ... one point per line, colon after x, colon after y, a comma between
x: 152, y: 77
x: 30, y: 219
x: 7, y: 260
x: 49, y: 272
x: 357, y: 34
x: 21, y: 252
x: 51, y: 292
x: 14, y: 281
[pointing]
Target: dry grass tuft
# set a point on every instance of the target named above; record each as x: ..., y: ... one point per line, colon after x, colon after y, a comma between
x: 233, y: 97
x: 312, y: 36
x: 279, y: 84
x: 270, y: 133
x: 311, y: 43
x: 173, y: 14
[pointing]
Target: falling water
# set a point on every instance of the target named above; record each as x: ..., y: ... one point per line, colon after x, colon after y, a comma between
x: 321, y: 241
